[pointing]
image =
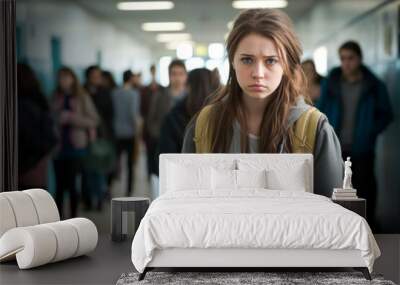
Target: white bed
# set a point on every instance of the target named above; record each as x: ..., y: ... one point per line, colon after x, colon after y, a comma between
x: 227, y: 217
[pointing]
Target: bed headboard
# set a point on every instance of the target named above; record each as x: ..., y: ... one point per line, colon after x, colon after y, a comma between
x: 280, y: 162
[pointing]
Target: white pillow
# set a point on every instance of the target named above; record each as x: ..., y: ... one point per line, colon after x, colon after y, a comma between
x: 293, y: 178
x: 251, y: 178
x: 283, y: 172
x: 227, y: 179
x: 182, y: 177
x: 223, y: 179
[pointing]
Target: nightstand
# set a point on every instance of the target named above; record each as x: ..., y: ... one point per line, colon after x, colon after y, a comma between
x: 121, y: 208
x: 358, y: 206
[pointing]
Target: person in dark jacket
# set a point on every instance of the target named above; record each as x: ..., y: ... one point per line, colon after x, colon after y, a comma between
x: 357, y: 105
x: 200, y: 84
x: 37, y: 137
x: 161, y: 103
x: 94, y: 178
x: 102, y: 100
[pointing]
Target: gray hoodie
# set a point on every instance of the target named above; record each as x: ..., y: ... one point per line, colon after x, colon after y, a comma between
x: 328, y: 164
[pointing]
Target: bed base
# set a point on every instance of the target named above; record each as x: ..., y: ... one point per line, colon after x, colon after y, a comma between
x: 250, y: 259
x: 364, y: 270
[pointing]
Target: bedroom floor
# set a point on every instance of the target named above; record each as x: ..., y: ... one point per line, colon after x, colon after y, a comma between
x: 106, y: 264
x: 103, y: 266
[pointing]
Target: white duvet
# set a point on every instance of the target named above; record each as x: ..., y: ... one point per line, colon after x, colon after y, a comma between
x: 251, y: 218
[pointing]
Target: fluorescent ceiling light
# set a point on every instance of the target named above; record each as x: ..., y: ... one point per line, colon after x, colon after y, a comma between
x: 250, y: 4
x: 145, y: 5
x: 170, y: 37
x: 163, y: 26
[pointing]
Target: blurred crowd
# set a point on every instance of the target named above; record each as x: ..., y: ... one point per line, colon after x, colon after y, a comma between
x: 85, y: 128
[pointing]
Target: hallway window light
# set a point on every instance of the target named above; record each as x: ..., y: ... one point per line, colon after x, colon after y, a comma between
x: 224, y: 71
x: 145, y: 5
x: 171, y: 37
x: 163, y: 26
x: 163, y: 64
x: 174, y: 44
x: 194, y: 62
x: 320, y: 57
x: 251, y: 4
x: 212, y: 63
x: 184, y: 51
x: 226, y: 36
x: 216, y: 50
x: 201, y: 50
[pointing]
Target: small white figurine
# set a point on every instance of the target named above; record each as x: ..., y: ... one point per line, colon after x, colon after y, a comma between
x: 347, y: 174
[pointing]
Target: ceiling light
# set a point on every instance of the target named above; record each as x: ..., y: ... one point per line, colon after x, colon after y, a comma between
x: 251, y: 4
x: 230, y: 25
x: 163, y: 26
x: 145, y: 5
x: 169, y: 37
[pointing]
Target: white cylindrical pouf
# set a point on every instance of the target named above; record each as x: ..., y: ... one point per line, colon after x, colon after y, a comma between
x: 34, y: 246
x: 67, y: 239
x: 7, y: 218
x: 45, y: 206
x: 23, y: 207
x: 87, y: 234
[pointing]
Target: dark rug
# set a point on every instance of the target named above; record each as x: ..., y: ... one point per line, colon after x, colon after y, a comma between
x: 275, y: 278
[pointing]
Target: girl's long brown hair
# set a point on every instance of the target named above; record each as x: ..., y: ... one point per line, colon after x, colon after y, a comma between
x: 227, y: 104
x: 77, y: 89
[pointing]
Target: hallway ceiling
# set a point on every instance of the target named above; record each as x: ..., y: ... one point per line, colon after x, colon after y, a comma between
x: 205, y: 20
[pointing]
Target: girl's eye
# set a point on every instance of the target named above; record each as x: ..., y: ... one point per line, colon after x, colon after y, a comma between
x: 246, y: 60
x: 271, y: 61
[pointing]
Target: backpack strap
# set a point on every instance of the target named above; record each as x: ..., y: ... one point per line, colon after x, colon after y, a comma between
x: 201, y: 134
x: 305, y: 131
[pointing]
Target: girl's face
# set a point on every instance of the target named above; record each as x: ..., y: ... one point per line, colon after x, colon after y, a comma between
x: 66, y: 81
x: 257, y: 66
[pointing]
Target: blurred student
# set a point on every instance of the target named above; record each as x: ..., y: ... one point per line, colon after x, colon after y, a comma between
x: 200, y: 84
x: 358, y: 107
x: 126, y: 103
x: 36, y: 131
x: 313, y: 79
x: 161, y: 104
x: 76, y: 118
